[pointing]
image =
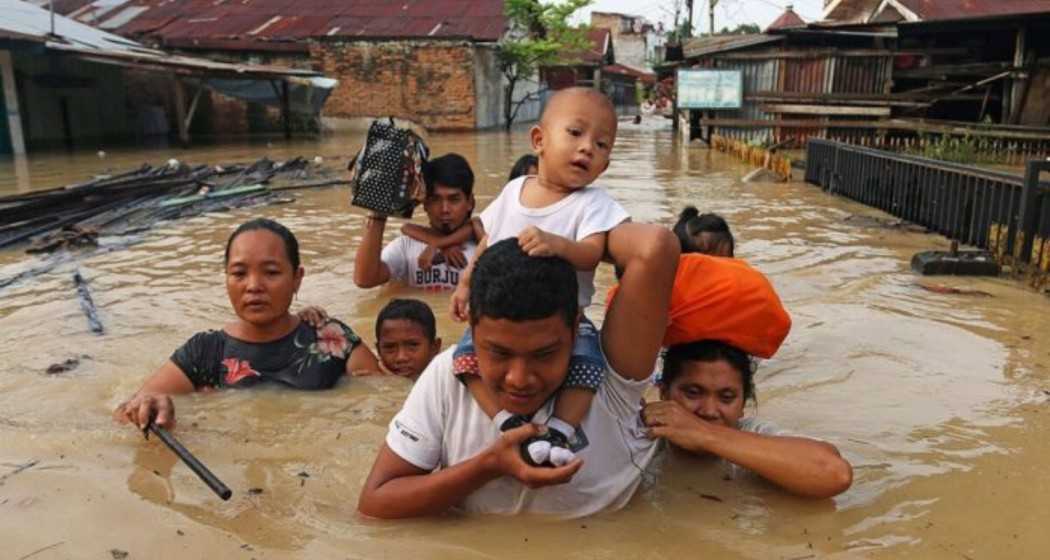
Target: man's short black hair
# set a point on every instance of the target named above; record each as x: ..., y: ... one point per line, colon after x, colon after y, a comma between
x: 408, y: 310
x: 508, y: 284
x: 451, y: 170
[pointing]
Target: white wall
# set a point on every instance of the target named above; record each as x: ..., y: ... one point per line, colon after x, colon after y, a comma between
x: 489, y: 85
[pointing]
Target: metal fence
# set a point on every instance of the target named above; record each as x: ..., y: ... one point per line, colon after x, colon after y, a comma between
x: 1005, y: 213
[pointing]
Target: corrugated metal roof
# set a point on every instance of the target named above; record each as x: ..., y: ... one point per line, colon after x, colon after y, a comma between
x: 120, y: 16
x: 600, y: 39
x: 702, y: 46
x: 24, y: 21
x: 787, y: 20
x: 930, y: 10
x: 860, y: 11
x: 640, y: 75
x: 65, y: 7
x: 255, y: 23
x: 850, y: 11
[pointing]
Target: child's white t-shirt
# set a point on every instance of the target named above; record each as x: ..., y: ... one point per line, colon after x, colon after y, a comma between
x: 583, y: 213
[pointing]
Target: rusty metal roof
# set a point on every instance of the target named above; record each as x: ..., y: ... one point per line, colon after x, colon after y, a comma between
x: 66, y: 7
x: 861, y: 11
x: 849, y: 11
x: 25, y: 22
x: 640, y: 75
x: 930, y: 10
x: 264, y: 24
x: 601, y: 40
x: 702, y: 46
x: 787, y: 20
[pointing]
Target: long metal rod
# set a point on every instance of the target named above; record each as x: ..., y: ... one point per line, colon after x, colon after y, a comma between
x: 196, y: 466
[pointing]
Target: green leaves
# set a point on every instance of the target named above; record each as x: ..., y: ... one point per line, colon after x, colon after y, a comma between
x: 540, y: 35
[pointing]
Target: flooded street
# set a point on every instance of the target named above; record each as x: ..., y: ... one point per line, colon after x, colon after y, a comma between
x: 938, y: 400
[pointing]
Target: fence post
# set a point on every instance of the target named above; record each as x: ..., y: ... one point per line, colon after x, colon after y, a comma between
x: 1028, y: 217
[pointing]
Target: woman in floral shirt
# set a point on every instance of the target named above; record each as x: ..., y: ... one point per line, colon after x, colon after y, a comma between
x: 264, y: 343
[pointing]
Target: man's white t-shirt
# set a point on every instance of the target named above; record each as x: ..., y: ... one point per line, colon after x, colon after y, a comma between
x: 583, y: 213
x: 441, y: 425
x: 401, y: 256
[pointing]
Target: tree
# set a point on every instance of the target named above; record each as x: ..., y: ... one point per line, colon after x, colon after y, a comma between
x: 540, y: 35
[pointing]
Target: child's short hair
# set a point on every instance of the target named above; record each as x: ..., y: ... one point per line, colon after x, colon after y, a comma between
x: 408, y: 310
x: 521, y: 167
x: 451, y: 170
x: 692, y: 223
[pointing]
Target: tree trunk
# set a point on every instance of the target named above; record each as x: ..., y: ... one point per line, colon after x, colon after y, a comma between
x: 508, y: 113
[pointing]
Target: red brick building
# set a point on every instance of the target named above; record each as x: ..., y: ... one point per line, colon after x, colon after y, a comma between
x: 429, y: 61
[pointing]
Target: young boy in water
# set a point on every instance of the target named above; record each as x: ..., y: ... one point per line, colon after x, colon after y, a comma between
x: 406, y: 337
x: 555, y: 213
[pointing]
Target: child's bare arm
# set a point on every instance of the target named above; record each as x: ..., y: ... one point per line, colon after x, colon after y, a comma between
x: 426, y: 235
x: 583, y: 255
x: 461, y: 296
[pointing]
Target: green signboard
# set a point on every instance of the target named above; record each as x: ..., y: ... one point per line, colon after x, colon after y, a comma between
x: 710, y: 89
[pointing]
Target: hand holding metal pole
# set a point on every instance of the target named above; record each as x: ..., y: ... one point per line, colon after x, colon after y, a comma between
x: 196, y: 466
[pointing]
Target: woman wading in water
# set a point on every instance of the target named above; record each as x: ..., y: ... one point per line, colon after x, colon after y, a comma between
x: 265, y: 343
x: 703, y: 390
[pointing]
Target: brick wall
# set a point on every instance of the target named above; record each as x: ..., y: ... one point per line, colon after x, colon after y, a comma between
x: 428, y: 82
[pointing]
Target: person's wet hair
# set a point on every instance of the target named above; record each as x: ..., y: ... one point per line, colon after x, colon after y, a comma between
x: 291, y: 244
x: 508, y: 284
x: 677, y: 356
x: 409, y: 310
x: 521, y: 167
x: 692, y: 223
x: 450, y: 170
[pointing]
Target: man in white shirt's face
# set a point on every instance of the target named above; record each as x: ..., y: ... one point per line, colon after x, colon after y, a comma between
x: 524, y: 362
x: 448, y: 208
x: 524, y: 327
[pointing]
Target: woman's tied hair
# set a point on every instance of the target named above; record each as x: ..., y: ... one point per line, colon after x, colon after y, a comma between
x: 692, y: 223
x: 291, y: 244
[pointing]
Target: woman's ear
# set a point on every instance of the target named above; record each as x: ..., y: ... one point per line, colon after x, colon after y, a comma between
x: 299, y: 278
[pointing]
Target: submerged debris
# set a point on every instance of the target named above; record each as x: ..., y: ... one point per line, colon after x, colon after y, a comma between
x: 69, y: 236
x: 113, y: 204
x: 87, y: 304
x: 943, y: 289
x: 130, y: 202
x: 61, y: 367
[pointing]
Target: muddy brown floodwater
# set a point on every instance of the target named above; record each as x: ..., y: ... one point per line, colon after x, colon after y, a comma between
x: 939, y: 401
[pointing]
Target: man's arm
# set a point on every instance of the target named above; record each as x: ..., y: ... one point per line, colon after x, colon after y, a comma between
x: 397, y: 489
x: 369, y: 268
x: 637, y: 318
x: 427, y: 235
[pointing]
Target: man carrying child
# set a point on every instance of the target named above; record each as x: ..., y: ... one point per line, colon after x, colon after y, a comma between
x: 432, y: 257
x: 531, y: 365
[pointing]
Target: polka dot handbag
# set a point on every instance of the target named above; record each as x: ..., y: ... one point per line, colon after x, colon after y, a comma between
x: 387, y: 174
